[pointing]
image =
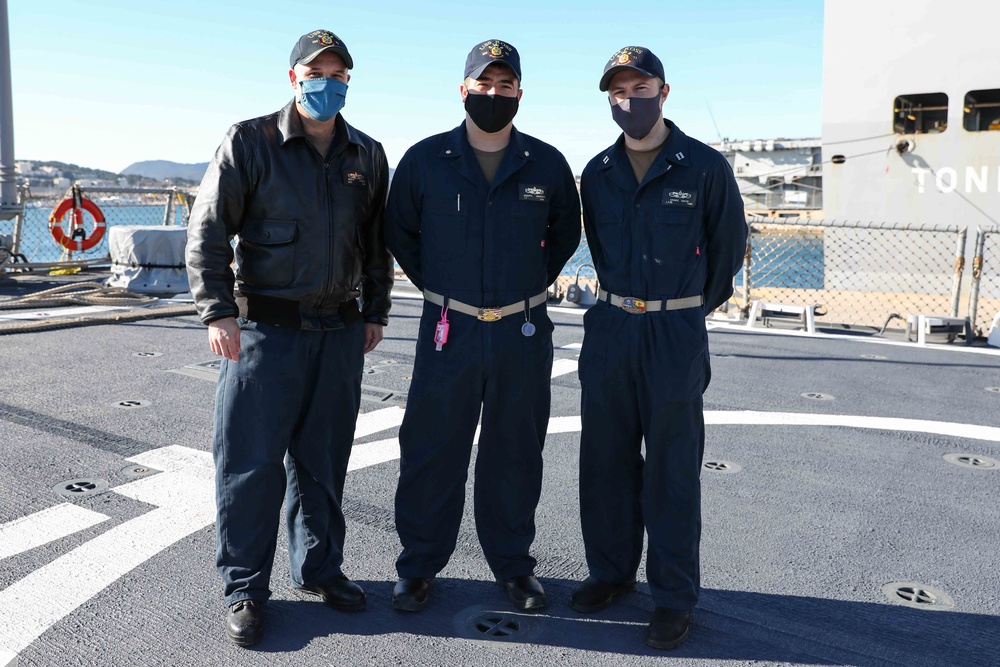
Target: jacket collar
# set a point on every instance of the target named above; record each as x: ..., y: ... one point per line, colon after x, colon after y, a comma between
x: 674, y: 152
x: 290, y: 126
x: 458, y: 149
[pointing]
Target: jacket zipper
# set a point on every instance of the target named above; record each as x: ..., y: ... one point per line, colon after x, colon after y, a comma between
x: 330, y: 231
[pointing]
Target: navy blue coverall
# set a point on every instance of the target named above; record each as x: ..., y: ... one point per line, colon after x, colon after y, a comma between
x: 486, y: 245
x: 680, y: 233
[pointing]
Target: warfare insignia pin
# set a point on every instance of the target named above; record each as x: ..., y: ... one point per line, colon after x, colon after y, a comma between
x: 532, y: 192
x: 678, y: 197
x: 355, y: 178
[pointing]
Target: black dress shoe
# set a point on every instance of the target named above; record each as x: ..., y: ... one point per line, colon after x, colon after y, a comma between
x: 593, y: 594
x: 410, y: 593
x: 245, y: 622
x: 340, y: 593
x: 525, y: 592
x: 669, y: 628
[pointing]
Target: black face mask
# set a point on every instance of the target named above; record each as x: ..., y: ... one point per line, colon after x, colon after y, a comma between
x: 490, y: 113
x: 642, y: 116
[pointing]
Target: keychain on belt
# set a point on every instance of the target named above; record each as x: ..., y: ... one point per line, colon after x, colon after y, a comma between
x: 527, y: 329
x: 441, y: 331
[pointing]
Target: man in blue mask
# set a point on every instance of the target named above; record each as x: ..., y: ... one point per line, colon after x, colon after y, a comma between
x: 665, y: 224
x: 303, y: 195
x: 482, y: 219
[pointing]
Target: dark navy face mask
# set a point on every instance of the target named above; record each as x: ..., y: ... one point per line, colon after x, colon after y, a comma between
x: 490, y: 113
x: 322, y: 98
x: 642, y: 115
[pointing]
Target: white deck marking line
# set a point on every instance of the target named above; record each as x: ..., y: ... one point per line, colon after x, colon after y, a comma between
x: 373, y: 453
x: 564, y: 367
x: 378, y: 420
x: 953, y: 429
x: 185, y: 499
x: 743, y: 328
x: 59, y: 312
x: 48, y: 525
x: 571, y: 346
x: 750, y: 418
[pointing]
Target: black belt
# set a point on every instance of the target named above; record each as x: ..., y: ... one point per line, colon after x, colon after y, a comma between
x: 285, y: 312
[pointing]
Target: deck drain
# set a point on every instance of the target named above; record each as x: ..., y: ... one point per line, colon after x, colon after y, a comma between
x: 874, y: 356
x: 147, y: 354
x: 135, y: 471
x: 132, y: 404
x: 995, y: 390
x: 82, y: 486
x: 495, y: 625
x: 916, y: 595
x: 816, y: 396
x: 727, y: 467
x: 972, y: 461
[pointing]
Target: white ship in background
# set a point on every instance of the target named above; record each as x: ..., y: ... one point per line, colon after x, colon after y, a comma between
x: 911, y: 112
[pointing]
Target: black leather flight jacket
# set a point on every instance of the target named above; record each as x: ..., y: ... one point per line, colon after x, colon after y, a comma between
x: 309, y: 229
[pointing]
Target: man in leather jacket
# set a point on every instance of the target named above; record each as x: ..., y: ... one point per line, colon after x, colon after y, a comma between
x: 303, y: 193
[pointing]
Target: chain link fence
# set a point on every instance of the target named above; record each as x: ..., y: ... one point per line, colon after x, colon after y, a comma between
x: 578, y: 270
x: 34, y: 246
x: 858, y: 274
x: 984, y: 297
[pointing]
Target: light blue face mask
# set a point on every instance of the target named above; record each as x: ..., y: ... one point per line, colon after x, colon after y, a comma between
x: 322, y: 98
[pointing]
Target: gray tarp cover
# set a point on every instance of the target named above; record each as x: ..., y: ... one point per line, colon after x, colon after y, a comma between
x: 149, y: 260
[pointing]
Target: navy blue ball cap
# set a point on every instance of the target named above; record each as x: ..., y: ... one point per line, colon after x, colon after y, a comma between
x: 316, y: 42
x: 492, y: 51
x: 638, y: 58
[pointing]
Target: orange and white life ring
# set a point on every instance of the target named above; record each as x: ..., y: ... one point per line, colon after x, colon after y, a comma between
x: 76, y: 240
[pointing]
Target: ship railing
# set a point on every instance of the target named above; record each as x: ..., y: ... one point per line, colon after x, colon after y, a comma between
x: 860, y: 275
x: 984, y: 292
x: 32, y: 246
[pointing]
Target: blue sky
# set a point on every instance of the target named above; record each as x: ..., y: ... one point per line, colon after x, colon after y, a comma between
x: 105, y: 83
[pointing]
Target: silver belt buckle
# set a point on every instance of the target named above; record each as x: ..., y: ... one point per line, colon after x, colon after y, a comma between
x: 489, y: 314
x: 630, y: 304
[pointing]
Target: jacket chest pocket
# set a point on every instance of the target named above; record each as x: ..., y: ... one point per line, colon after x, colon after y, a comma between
x: 609, y: 234
x: 676, y: 232
x: 527, y: 230
x: 265, y: 253
x: 443, y: 228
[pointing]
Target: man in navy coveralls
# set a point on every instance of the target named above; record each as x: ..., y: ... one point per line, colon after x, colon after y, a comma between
x: 665, y: 224
x: 482, y: 219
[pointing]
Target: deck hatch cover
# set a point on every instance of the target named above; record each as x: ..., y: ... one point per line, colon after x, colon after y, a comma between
x: 972, y: 461
x: 817, y: 396
x: 917, y: 595
x: 80, y: 487
x: 725, y: 467
x: 494, y: 625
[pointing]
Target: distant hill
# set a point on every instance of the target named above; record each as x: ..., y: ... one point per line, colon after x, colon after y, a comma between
x: 163, y: 169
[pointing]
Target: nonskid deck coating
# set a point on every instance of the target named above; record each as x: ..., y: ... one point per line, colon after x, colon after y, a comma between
x: 797, y: 544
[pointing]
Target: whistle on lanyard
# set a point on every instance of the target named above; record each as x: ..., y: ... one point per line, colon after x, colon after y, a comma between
x: 441, y: 330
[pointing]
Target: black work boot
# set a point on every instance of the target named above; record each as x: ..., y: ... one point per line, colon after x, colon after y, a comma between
x: 245, y: 622
x: 668, y: 628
